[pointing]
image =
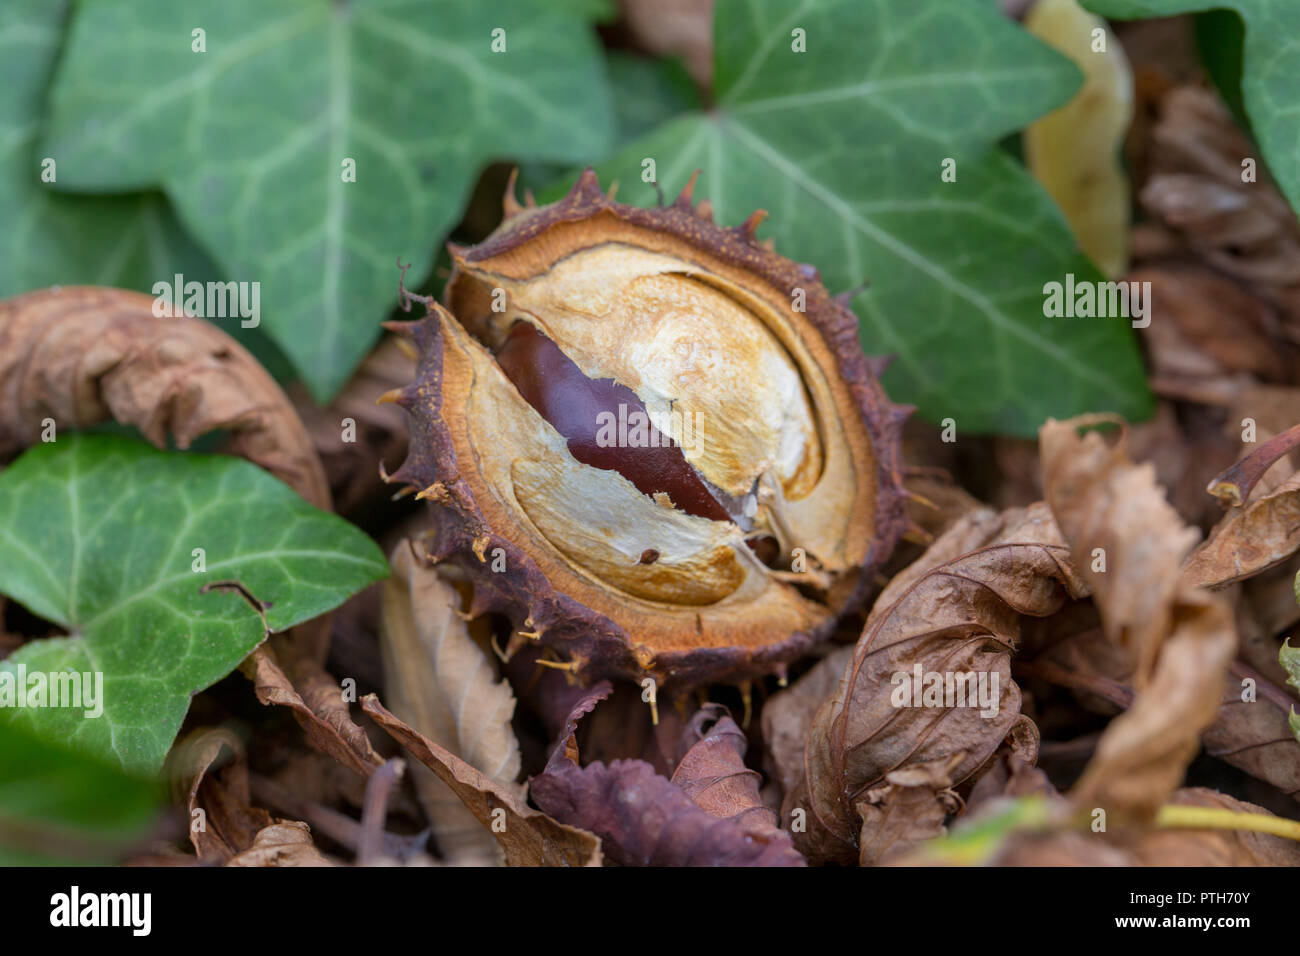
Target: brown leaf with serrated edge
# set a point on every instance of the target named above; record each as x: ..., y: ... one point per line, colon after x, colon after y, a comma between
x: 282, y: 844
x: 82, y: 355
x: 1178, y: 639
x: 959, y: 612
x: 317, y: 703
x: 528, y: 837
x: 1103, y: 501
x: 644, y: 819
x: 713, y: 774
x: 441, y: 683
x: 223, y: 821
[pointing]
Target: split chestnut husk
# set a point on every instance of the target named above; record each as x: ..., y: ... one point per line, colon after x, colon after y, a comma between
x: 651, y: 442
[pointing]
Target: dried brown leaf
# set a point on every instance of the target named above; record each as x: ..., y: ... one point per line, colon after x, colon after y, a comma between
x: 905, y: 811
x: 223, y: 821
x: 356, y: 430
x: 82, y: 355
x: 713, y: 773
x: 644, y: 819
x: 958, y: 611
x: 282, y: 844
x: 527, y: 837
x: 1128, y: 539
x: 317, y: 703
x: 441, y: 683
x: 1178, y: 639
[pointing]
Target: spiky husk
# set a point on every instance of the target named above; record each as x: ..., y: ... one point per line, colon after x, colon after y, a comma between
x: 594, y: 644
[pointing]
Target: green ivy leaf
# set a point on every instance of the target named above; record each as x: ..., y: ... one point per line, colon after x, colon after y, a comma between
x: 51, y: 238
x: 58, y: 806
x: 250, y: 138
x: 843, y: 144
x: 98, y: 535
x: 1270, y: 74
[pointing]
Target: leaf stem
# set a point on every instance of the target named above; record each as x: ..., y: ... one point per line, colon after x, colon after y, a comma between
x: 1214, y: 818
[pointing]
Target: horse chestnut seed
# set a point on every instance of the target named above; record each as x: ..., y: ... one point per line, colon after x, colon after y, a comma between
x: 651, y: 442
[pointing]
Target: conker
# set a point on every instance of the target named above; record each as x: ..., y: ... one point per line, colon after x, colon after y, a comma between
x: 649, y: 441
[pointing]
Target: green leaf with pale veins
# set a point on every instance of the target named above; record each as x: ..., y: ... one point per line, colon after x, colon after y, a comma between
x: 249, y: 138
x: 843, y: 144
x: 98, y: 535
x: 1270, y: 73
x: 59, y: 806
x: 51, y: 238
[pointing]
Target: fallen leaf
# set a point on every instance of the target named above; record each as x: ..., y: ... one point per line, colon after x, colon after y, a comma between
x: 282, y: 844
x: 222, y: 820
x: 1262, y: 528
x: 357, y: 429
x: 527, y: 837
x: 644, y: 819
x: 788, y: 715
x: 317, y: 703
x: 83, y: 355
x: 442, y: 684
x: 1177, y: 639
x: 956, y: 611
x: 713, y: 774
x: 908, y: 809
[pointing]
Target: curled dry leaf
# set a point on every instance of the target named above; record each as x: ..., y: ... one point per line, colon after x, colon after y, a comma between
x: 83, y: 355
x: 1262, y: 528
x: 1178, y: 639
x: 958, y: 612
x: 282, y: 844
x: 1128, y: 539
x: 441, y: 683
x: 527, y: 837
x: 713, y: 774
x: 908, y: 809
x: 317, y: 703
x: 644, y: 819
x: 223, y: 822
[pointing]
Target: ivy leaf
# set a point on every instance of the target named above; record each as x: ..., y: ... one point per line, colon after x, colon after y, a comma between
x: 99, y: 536
x: 53, y: 238
x: 844, y: 145
x: 1270, y: 77
x: 253, y: 138
x: 59, y: 807
x: 56, y: 239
